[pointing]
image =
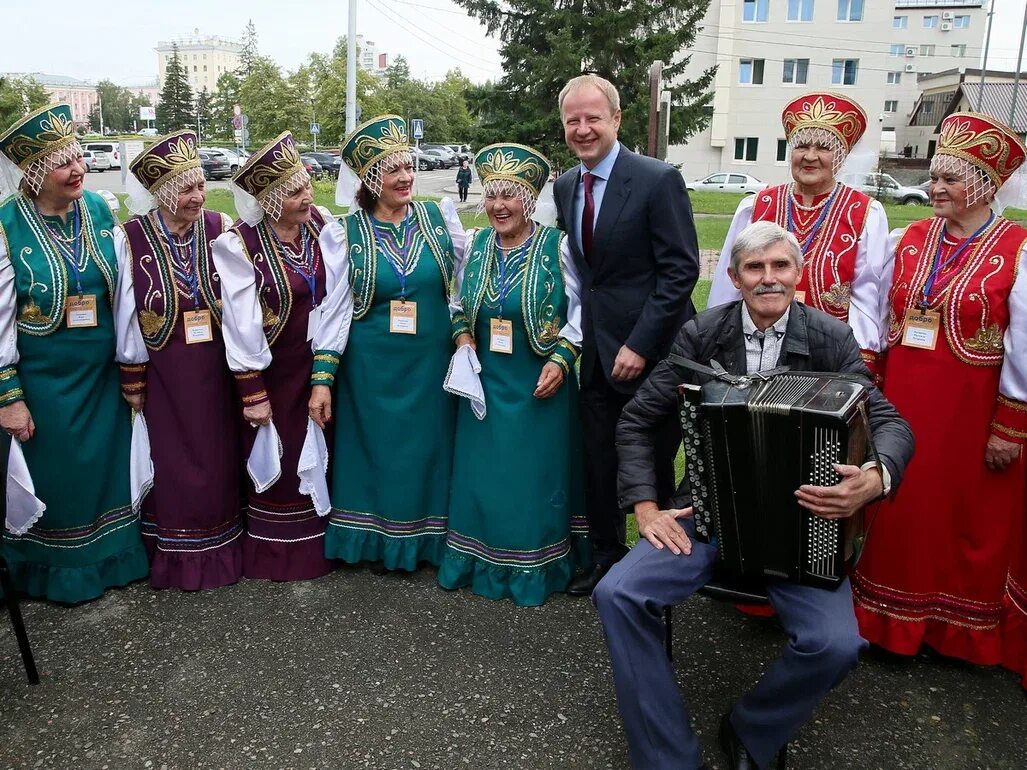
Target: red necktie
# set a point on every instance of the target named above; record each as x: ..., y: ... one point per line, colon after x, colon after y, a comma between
x: 587, y: 216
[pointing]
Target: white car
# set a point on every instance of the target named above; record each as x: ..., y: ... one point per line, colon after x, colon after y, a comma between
x: 111, y: 148
x: 95, y: 160
x: 147, y: 132
x: 725, y: 182
x: 886, y: 188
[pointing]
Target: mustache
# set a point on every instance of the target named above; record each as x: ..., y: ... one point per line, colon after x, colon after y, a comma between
x: 775, y: 288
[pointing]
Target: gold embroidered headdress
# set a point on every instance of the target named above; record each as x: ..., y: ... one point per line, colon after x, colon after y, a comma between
x: 36, y: 145
x: 171, y: 165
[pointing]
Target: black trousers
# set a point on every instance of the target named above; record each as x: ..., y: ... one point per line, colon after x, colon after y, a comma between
x: 601, y: 406
x: 463, y: 188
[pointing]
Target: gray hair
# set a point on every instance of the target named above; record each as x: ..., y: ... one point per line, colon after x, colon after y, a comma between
x: 760, y: 236
x: 608, y: 89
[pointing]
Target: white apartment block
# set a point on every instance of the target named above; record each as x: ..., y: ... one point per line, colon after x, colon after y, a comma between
x: 369, y: 59
x: 771, y: 51
x: 204, y: 59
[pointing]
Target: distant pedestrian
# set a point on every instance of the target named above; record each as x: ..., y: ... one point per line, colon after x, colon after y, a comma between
x: 463, y: 179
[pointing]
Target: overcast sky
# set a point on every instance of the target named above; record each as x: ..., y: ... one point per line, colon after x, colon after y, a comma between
x: 115, y: 39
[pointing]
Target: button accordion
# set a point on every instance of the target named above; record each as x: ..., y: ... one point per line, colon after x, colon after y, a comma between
x: 750, y: 442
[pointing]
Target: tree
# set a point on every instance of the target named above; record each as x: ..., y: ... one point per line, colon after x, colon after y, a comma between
x: 328, y: 92
x: 175, y: 110
x: 226, y: 96
x: 18, y: 97
x: 250, y: 52
x: 118, y: 112
x: 545, y: 43
x: 398, y: 73
x: 204, y: 112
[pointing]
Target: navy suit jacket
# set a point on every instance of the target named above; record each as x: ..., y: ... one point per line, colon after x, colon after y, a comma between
x: 637, y: 287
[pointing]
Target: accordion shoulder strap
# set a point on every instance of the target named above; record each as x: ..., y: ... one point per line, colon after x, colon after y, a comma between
x: 717, y: 371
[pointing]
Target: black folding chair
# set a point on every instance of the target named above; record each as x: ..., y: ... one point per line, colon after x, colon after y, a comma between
x: 10, y: 595
x: 722, y: 589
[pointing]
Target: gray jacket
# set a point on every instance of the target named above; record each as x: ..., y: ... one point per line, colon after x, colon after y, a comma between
x: 814, y: 342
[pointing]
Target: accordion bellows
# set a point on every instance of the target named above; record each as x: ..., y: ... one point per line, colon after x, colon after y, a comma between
x: 749, y: 445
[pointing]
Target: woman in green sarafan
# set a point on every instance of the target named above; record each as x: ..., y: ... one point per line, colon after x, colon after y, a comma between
x: 394, y: 424
x: 60, y: 396
x: 516, y: 513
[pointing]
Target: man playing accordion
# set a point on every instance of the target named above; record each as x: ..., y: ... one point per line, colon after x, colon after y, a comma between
x: 766, y: 329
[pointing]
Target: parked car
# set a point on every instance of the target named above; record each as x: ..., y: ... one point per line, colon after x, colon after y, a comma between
x: 111, y: 148
x: 228, y: 156
x: 725, y: 182
x: 312, y: 166
x: 214, y: 166
x: 446, y: 159
x: 463, y: 151
x: 449, y: 158
x: 884, y: 187
x: 330, y: 163
x: 147, y: 132
x: 424, y: 161
x: 96, y: 160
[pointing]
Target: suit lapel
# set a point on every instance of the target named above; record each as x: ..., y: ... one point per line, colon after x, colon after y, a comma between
x: 565, y: 187
x: 618, y: 189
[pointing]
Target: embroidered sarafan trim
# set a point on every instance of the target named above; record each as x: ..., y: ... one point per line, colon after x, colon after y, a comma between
x: 85, y: 535
x: 532, y: 558
x: 372, y: 522
x: 192, y: 540
x: 32, y: 319
x: 919, y: 607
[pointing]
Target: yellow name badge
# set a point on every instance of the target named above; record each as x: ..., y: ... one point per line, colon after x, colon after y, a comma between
x: 402, y: 317
x: 197, y: 327
x: 501, y: 336
x: 800, y: 296
x: 81, y: 311
x: 920, y: 328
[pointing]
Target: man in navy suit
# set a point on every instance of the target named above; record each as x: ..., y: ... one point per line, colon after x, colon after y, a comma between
x: 631, y: 232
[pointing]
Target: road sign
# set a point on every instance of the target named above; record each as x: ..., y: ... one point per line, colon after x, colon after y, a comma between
x: 237, y: 109
x: 417, y: 128
x: 315, y: 128
x: 237, y: 122
x: 360, y: 113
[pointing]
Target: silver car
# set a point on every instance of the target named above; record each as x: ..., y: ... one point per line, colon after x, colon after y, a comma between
x: 885, y: 188
x: 726, y: 182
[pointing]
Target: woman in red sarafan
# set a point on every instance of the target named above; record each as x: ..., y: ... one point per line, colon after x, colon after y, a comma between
x: 934, y: 568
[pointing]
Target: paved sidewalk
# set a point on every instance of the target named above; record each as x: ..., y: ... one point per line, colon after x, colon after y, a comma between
x: 359, y: 670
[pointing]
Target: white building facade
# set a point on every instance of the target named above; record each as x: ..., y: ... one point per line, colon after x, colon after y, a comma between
x: 204, y: 59
x: 771, y: 51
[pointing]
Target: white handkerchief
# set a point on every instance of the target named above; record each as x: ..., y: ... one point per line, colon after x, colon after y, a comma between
x: 462, y: 379
x: 313, y: 468
x: 23, y: 507
x: 265, y: 462
x: 140, y: 466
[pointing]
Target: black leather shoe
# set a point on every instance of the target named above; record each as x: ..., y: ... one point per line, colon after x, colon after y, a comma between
x: 583, y: 585
x: 738, y: 757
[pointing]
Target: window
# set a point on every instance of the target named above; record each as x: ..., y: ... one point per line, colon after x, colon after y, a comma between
x: 927, y: 50
x: 899, y: 22
x: 204, y: 67
x: 894, y: 78
x: 850, y: 10
x: 800, y: 10
x: 755, y: 10
x: 897, y: 49
x: 891, y: 105
x: 961, y: 22
x: 782, y: 150
x: 795, y: 71
x: 736, y: 179
x: 926, y: 108
x: 194, y: 68
x: 750, y: 72
x: 745, y: 148
x: 930, y: 22
x: 843, y: 72
x: 718, y: 178
x: 959, y: 51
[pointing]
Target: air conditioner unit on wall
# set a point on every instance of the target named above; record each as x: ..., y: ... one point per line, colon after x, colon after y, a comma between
x: 947, y: 15
x: 910, y: 51
x: 910, y: 68
x: 946, y: 26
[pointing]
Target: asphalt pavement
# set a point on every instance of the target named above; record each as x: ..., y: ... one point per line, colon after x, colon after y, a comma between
x: 364, y: 670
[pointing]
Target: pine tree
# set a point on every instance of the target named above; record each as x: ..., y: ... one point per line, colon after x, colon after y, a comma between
x: 547, y: 42
x: 204, y: 111
x: 175, y: 109
x: 250, y: 52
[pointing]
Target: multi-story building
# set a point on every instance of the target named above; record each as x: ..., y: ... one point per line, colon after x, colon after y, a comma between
x: 369, y: 58
x: 943, y: 93
x: 205, y: 59
x: 80, y: 94
x: 770, y: 52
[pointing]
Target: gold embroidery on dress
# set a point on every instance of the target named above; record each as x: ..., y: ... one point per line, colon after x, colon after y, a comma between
x: 269, y: 318
x: 838, y: 295
x: 31, y: 313
x: 987, y: 340
x: 150, y: 322
x: 550, y: 330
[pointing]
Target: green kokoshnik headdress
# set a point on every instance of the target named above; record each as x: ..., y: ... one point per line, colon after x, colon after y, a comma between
x: 372, y: 149
x: 37, y: 144
x: 521, y: 170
